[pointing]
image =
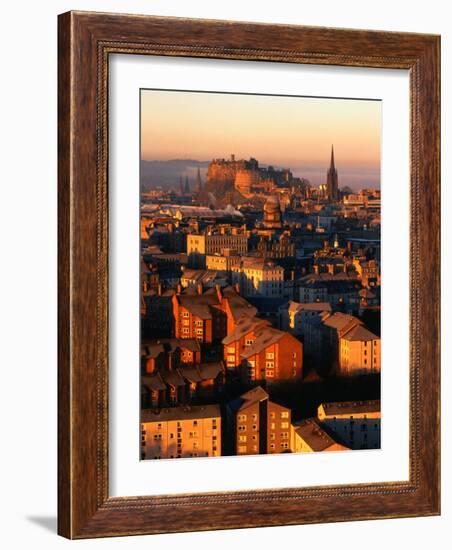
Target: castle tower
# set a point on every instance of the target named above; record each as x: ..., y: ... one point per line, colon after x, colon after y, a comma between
x: 332, y: 191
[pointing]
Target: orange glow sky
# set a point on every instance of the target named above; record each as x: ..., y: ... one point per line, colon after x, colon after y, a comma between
x: 289, y: 132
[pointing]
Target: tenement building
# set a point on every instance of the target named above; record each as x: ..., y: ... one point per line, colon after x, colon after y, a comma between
x: 356, y: 424
x: 208, y: 316
x: 258, y: 426
x: 359, y: 352
x: 259, y: 277
x: 269, y: 355
x: 181, y: 432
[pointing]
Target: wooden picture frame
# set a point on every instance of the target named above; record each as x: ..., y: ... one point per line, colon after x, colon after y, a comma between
x: 86, y: 40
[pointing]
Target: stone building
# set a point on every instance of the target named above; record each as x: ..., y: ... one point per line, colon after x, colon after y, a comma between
x: 259, y: 277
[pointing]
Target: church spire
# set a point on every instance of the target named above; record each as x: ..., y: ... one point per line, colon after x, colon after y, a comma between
x: 332, y: 189
x: 198, y: 182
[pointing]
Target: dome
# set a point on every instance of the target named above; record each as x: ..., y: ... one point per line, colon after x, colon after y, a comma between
x: 272, y: 213
x: 272, y: 203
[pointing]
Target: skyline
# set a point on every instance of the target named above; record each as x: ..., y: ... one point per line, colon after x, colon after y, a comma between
x: 285, y: 131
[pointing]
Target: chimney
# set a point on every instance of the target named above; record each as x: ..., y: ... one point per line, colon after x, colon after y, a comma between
x: 159, y: 289
x: 199, y: 288
x: 349, y: 245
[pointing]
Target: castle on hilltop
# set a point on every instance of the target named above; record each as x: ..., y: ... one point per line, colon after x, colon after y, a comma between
x: 244, y: 177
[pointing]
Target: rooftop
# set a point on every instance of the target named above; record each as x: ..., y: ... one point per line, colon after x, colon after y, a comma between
x: 351, y: 407
x: 359, y: 334
x: 180, y: 413
x: 265, y: 336
x: 339, y: 321
x: 255, y: 395
x: 245, y: 325
x: 311, y: 432
x: 315, y: 306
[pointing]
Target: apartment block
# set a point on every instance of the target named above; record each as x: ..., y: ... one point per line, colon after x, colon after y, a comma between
x: 181, y: 432
x: 259, y: 426
x: 355, y: 424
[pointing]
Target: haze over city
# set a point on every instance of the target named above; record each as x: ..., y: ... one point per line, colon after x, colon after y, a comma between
x: 290, y: 132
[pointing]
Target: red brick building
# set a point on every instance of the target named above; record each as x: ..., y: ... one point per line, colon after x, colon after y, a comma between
x: 208, y: 316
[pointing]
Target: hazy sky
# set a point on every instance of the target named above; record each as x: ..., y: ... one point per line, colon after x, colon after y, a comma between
x: 289, y: 132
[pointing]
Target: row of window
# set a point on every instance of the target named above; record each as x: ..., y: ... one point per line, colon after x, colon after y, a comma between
x: 244, y: 417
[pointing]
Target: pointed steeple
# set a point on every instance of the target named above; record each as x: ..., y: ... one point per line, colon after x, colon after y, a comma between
x: 198, y: 182
x: 187, y: 186
x: 332, y: 158
x: 181, y: 185
x: 332, y: 190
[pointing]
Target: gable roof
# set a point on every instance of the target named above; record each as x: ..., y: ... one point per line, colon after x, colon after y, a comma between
x: 245, y: 325
x: 359, y: 334
x: 265, y: 337
x: 340, y: 321
x: 251, y: 397
x: 313, y: 435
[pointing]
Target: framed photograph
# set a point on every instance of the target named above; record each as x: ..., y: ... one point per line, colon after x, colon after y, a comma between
x: 248, y: 275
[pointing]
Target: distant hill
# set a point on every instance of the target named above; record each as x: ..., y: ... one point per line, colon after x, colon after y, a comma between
x: 166, y: 173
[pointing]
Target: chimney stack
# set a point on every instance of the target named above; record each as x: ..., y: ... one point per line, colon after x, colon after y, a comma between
x: 159, y: 289
x: 199, y: 288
